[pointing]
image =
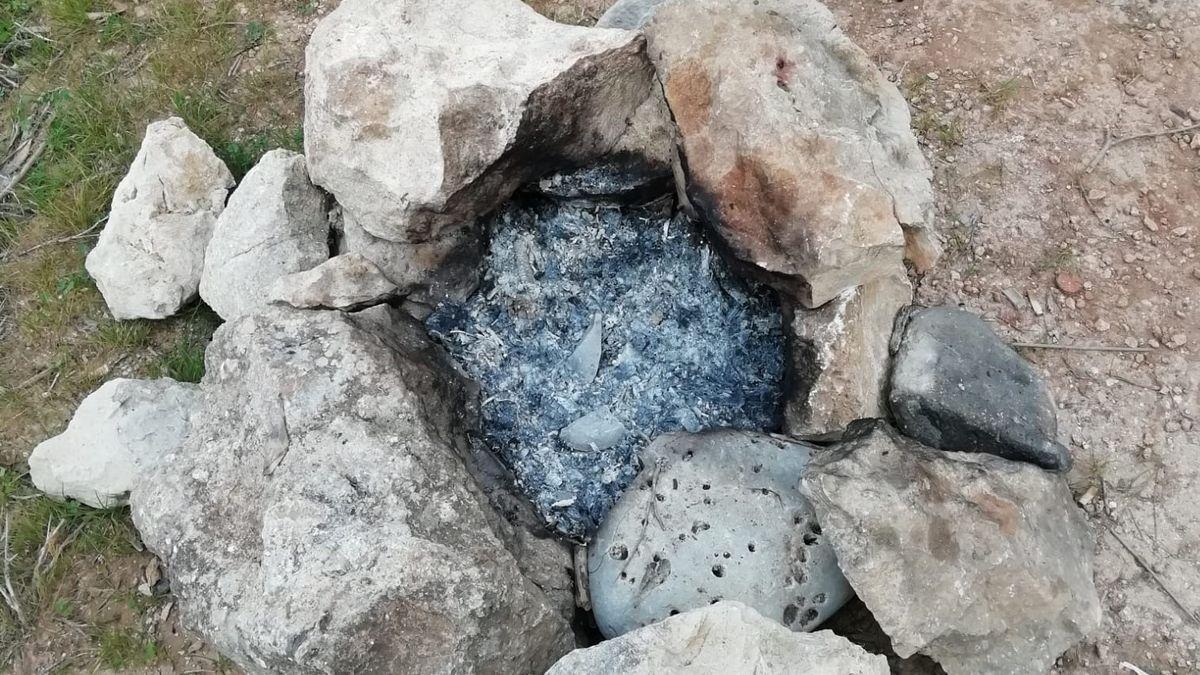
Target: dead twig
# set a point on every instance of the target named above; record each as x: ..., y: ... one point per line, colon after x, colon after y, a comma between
x: 60, y: 240
x: 1154, y: 575
x: 7, y: 592
x: 1111, y: 142
x: 1081, y: 348
x: 583, y: 599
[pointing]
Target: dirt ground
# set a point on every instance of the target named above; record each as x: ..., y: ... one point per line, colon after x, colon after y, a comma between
x: 1049, y: 239
x: 1015, y: 98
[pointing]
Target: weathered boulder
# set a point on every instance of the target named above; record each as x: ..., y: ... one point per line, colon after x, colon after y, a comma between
x: 148, y: 260
x: 118, y: 432
x: 838, y: 357
x: 956, y: 385
x: 422, y: 115
x: 714, y: 516
x: 347, y: 281
x: 981, y: 563
x: 275, y: 223
x: 798, y: 151
x: 726, y: 637
x: 629, y: 14
x: 321, y: 517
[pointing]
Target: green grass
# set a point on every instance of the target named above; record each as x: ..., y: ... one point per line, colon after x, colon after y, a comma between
x: 119, y: 649
x: 950, y: 132
x: 1061, y: 259
x: 183, y: 362
x: 1002, y: 94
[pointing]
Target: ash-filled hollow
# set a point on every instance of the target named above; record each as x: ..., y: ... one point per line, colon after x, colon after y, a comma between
x: 596, y: 328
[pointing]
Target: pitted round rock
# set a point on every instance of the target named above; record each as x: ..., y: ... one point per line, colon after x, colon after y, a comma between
x: 715, y: 516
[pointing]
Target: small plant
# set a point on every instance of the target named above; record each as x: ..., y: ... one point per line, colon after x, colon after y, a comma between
x: 1062, y: 259
x: 948, y: 132
x: 121, y: 649
x: 124, y: 335
x: 183, y: 362
x: 306, y: 7
x: 256, y: 32
x: 1002, y: 94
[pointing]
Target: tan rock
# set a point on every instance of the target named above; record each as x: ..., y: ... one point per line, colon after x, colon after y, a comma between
x: 839, y: 357
x: 798, y: 151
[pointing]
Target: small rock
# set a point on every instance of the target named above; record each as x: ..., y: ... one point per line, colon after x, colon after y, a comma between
x: 585, y: 360
x: 348, y: 281
x: 274, y: 224
x: 150, y: 255
x: 597, y: 430
x: 1068, y: 282
x: 118, y: 431
x: 629, y: 14
x: 981, y: 563
x: 714, y: 516
x: 722, y: 638
x: 957, y: 386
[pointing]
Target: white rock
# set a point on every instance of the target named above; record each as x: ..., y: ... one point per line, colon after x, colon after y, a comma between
x: 149, y: 258
x: 629, y: 14
x: 323, y: 515
x: 714, y: 516
x: 348, y: 281
x: 118, y: 431
x: 727, y: 637
x: 597, y: 430
x: 275, y: 223
x: 422, y: 115
x: 585, y: 360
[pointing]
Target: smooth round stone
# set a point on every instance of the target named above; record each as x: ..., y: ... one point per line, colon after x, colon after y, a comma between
x: 710, y: 517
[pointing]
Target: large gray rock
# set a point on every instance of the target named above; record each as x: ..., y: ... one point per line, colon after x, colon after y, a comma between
x: 322, y: 518
x: 422, y: 115
x: 118, y: 432
x: 981, y: 563
x: 347, y: 281
x: 798, y: 150
x: 148, y: 260
x: 957, y: 386
x: 726, y: 637
x: 714, y: 516
x: 839, y: 359
x: 275, y: 223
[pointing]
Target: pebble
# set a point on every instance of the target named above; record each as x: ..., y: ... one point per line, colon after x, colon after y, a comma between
x: 1069, y: 283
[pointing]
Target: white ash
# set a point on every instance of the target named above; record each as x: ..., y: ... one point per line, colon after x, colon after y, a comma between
x: 683, y: 345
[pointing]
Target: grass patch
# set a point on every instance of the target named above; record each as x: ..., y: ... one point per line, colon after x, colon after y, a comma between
x: 950, y: 132
x: 43, y: 536
x: 1061, y: 259
x: 121, y: 648
x: 1002, y: 94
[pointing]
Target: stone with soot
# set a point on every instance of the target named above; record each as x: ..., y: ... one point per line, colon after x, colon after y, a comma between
x: 726, y: 637
x: 118, y: 432
x: 347, y: 281
x: 981, y: 563
x: 715, y: 516
x: 149, y: 258
x: 422, y: 115
x: 321, y: 517
x: 838, y: 357
x: 275, y: 224
x: 629, y: 14
x: 798, y: 150
x: 957, y: 386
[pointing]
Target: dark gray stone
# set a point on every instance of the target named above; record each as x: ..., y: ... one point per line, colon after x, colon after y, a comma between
x: 957, y: 386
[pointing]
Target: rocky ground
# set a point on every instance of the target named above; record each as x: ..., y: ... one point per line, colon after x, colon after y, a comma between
x: 1050, y: 239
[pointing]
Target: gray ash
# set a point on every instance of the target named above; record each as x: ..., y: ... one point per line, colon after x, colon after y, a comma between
x: 685, y: 345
